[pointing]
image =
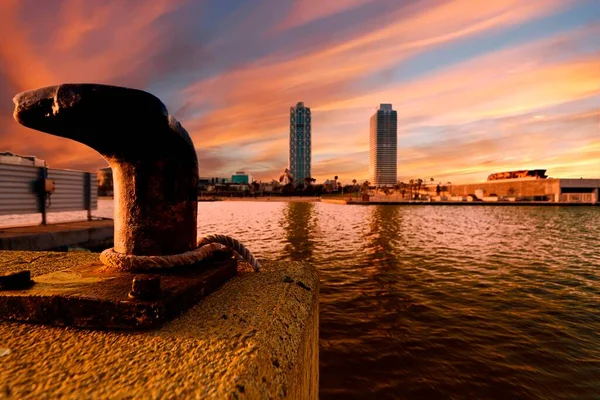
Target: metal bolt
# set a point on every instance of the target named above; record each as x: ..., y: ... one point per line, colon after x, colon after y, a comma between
x: 145, y: 287
x: 16, y: 280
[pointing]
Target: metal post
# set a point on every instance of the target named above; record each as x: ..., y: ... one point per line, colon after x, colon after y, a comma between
x: 87, y: 194
x: 41, y: 193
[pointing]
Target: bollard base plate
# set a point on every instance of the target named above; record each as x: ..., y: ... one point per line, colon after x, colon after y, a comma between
x: 90, y: 297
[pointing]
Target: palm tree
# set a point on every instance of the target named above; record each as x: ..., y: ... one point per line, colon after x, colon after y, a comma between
x: 225, y: 186
x: 365, y: 186
x: 419, y: 182
x: 431, y: 180
x: 446, y: 187
x: 402, y: 186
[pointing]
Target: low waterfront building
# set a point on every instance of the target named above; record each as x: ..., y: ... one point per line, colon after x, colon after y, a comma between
x: 268, y: 186
x: 241, y: 177
x: 212, y: 180
x: 212, y: 183
x: 7, y: 157
x: 530, y: 188
x: 522, y: 174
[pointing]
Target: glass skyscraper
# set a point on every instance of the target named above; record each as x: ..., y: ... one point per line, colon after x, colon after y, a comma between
x: 383, y: 167
x: 300, y: 143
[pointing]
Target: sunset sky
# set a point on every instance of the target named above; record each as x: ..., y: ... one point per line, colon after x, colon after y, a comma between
x: 479, y: 86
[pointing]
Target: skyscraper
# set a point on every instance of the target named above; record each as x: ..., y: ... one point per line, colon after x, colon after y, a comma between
x: 383, y: 169
x: 300, y: 142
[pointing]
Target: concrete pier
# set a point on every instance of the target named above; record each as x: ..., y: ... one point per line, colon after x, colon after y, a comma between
x: 88, y: 234
x: 461, y: 203
x: 256, y: 338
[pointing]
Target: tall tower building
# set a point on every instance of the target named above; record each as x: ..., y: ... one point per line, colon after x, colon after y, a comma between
x: 383, y: 167
x: 300, y: 142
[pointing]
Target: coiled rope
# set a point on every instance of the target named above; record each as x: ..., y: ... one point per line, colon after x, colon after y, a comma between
x: 234, y: 245
x: 205, y: 248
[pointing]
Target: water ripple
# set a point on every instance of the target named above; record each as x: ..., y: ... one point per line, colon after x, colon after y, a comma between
x: 440, y: 302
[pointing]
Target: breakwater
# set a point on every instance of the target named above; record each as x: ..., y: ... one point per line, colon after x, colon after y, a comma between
x: 461, y: 203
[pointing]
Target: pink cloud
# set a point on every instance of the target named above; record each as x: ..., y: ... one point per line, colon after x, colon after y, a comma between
x: 237, y: 115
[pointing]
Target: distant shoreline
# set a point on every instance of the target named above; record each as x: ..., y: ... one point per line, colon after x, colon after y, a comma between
x: 267, y: 199
x: 460, y: 203
x: 286, y: 199
x: 298, y: 199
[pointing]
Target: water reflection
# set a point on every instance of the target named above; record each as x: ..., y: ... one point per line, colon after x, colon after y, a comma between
x: 382, y: 237
x: 440, y: 302
x: 298, y: 222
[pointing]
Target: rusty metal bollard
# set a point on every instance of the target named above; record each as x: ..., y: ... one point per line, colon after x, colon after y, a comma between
x: 154, y: 163
x: 155, y: 172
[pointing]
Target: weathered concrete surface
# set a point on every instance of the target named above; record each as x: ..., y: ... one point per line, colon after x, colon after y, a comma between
x: 52, y: 236
x: 255, y: 338
x: 334, y: 201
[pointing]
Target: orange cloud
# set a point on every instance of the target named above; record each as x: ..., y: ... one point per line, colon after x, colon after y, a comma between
x: 504, y: 83
x: 261, y: 93
x: 72, y: 52
x: 20, y: 58
x: 303, y: 12
x: 509, y: 143
x: 236, y: 108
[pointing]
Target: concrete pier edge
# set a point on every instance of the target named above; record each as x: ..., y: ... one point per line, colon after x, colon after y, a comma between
x: 459, y: 203
x: 255, y: 337
x: 89, y: 234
